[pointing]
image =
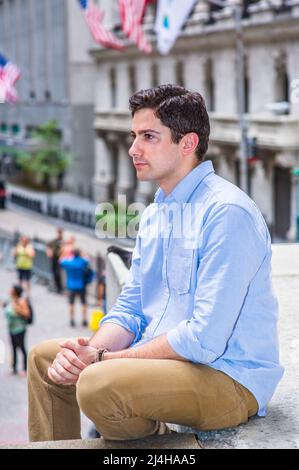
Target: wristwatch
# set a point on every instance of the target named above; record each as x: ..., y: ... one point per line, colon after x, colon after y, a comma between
x: 100, y: 355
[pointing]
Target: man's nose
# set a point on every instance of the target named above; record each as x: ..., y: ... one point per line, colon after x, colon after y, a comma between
x: 135, y: 148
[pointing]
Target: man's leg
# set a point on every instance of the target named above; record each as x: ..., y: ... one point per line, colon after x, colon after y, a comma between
x: 53, y: 410
x: 84, y: 306
x: 129, y: 398
x: 72, y: 295
x: 14, y: 353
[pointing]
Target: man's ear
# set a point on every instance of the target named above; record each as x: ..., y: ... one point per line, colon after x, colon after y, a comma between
x: 189, y: 143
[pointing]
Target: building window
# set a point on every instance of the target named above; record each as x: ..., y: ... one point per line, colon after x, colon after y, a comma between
x: 155, y: 77
x: 282, y: 81
x: 113, y: 87
x: 179, y: 72
x: 3, y: 127
x: 132, y: 79
x: 15, y: 129
x: 209, y: 86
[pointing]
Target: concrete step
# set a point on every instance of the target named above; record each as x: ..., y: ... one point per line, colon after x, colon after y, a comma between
x: 169, y: 441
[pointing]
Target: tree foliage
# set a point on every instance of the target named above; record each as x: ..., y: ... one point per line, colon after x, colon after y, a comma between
x: 48, y: 158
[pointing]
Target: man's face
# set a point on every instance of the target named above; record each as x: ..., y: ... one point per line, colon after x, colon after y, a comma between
x: 155, y: 156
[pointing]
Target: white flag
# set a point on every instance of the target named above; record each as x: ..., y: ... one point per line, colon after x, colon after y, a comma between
x: 171, y: 16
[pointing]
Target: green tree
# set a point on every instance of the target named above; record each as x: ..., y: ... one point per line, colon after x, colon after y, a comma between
x: 48, y: 158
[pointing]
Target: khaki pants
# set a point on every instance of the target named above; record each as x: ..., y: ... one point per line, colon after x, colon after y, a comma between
x: 130, y: 398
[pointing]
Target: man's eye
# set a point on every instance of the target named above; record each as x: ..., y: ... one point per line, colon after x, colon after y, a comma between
x: 148, y: 136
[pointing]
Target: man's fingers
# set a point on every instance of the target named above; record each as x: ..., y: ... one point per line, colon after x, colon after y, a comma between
x: 83, y: 341
x: 57, y: 378
x: 67, y: 365
x: 70, y: 344
x: 52, y: 374
x: 72, y: 358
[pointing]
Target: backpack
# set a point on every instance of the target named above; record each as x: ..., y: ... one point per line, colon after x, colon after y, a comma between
x: 88, y: 275
x: 31, y: 313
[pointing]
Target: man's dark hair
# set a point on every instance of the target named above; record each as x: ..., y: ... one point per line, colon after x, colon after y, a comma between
x: 179, y: 109
x: 77, y: 253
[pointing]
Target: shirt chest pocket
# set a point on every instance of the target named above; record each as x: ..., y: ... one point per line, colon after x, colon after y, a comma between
x: 179, y: 271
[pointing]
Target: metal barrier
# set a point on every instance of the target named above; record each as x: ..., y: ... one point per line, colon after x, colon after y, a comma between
x: 41, y: 264
x: 75, y: 216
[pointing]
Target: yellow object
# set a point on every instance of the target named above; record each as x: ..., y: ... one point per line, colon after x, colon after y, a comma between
x: 96, y: 317
x: 24, y: 257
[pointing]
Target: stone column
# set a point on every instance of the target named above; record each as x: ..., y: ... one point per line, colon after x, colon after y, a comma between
x: 292, y: 232
x: 224, y: 75
x: 143, y: 74
x: 126, y: 173
x: 262, y: 190
x: 122, y: 85
x: 194, y: 73
x: 226, y: 168
x: 261, y: 69
x: 145, y: 192
x: 166, y: 70
x: 102, y: 87
x: 293, y: 72
x: 103, y: 170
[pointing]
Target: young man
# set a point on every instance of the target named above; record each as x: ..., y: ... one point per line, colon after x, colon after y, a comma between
x: 192, y: 338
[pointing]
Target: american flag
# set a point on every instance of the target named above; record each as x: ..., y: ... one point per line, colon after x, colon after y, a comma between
x: 94, y: 17
x: 9, y: 74
x: 131, y: 14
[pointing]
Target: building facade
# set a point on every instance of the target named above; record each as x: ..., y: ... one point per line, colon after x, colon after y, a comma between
x: 49, y: 41
x: 204, y: 59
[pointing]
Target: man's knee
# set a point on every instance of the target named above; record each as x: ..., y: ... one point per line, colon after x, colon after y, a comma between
x: 99, y: 390
x: 43, y: 354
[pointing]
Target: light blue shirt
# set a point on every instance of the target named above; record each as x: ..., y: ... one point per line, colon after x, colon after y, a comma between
x: 201, y: 274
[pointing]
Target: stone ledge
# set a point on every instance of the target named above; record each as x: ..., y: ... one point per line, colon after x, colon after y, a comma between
x: 170, y: 441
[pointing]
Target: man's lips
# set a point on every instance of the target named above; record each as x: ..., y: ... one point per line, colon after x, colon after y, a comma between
x: 139, y: 164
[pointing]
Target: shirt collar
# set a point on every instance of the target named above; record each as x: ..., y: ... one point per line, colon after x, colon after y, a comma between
x: 183, y: 190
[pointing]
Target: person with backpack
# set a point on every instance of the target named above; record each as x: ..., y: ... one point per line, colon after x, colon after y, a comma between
x: 78, y: 275
x: 18, y: 312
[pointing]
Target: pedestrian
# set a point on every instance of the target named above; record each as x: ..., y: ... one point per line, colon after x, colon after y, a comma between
x: 101, y: 283
x: 54, y: 249
x: 75, y: 268
x: 17, y: 313
x: 192, y: 338
x: 24, y: 255
x: 68, y: 248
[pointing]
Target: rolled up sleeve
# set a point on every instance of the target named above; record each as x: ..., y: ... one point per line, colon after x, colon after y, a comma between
x: 233, y: 250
